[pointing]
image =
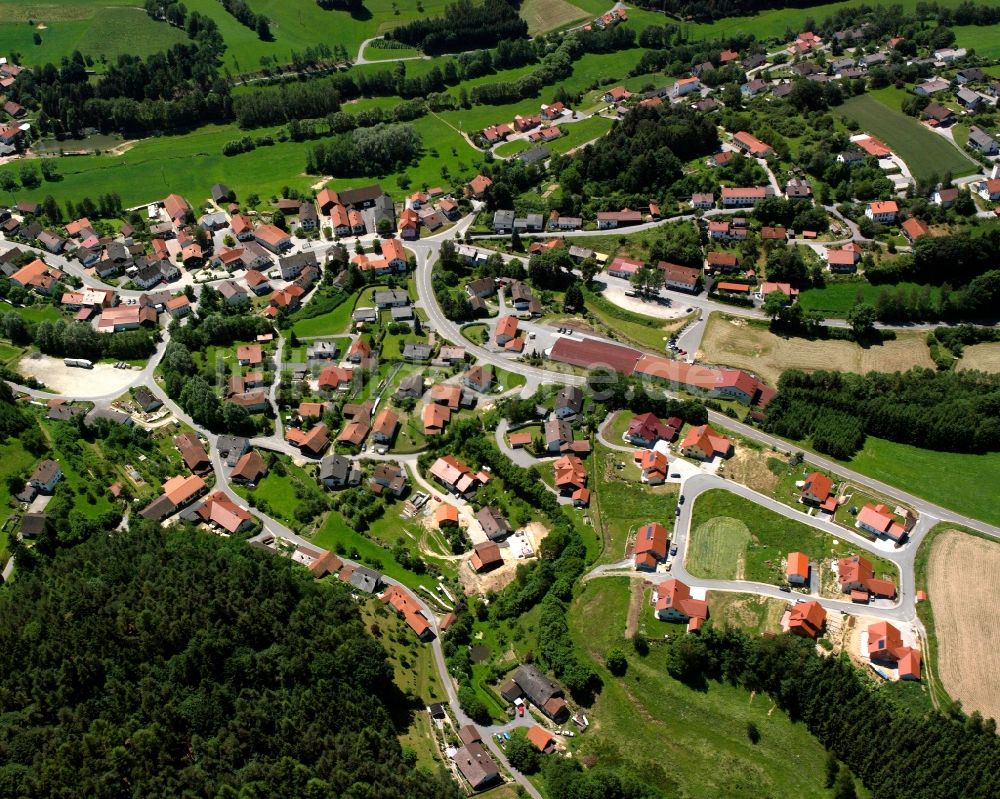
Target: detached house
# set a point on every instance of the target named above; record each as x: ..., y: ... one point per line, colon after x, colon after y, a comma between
x: 807, y: 619
x: 650, y: 546
x: 884, y: 211
x: 674, y: 603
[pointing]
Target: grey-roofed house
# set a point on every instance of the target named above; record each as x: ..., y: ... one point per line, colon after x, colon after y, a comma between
x: 146, y: 399
x: 503, y: 221
x: 411, y: 387
x: 322, y: 350
x: 63, y: 412
x: 364, y: 579
x: 33, y: 525
x: 337, y: 471
x: 417, y: 352
x: 52, y: 242
x: 534, y: 155
x: 365, y: 315
x: 291, y: 266
x: 569, y: 401
x: 968, y: 99
x: 401, y: 314
x: 493, y: 523
x: 982, y: 141
x: 540, y: 691
x: 384, y: 209
x: 476, y: 765
x: 391, y: 298
x: 220, y: 192
x: 109, y: 415
x: 232, y: 448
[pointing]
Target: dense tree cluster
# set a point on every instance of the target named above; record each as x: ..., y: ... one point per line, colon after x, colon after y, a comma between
x: 950, y: 411
x: 638, y: 161
x: 184, y: 664
x: 464, y: 25
x: 275, y: 105
x: 931, y: 756
x: 365, y: 151
x: 77, y: 339
x: 245, y: 15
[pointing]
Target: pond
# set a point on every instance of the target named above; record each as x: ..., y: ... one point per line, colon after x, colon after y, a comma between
x: 95, y: 141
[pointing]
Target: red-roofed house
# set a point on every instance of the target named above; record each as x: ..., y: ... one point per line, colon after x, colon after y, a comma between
x: 883, y: 211
x: 856, y: 574
x: 407, y: 607
x: 703, y: 443
x: 913, y: 229
x: 752, y: 145
x: 885, y: 645
x: 335, y: 378
x: 506, y: 330
x: 654, y: 466
x: 478, y: 185
x: 674, y: 603
x: 646, y: 429
x: 843, y: 260
x: 650, y: 546
x: 570, y: 474
x: 797, y: 568
x: 272, y: 238
x: 807, y: 619
x: 878, y: 519
x: 220, y: 511
x: 542, y: 739
x: 816, y: 489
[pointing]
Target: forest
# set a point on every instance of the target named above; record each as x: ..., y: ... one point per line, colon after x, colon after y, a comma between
x: 949, y: 411
x: 898, y: 754
x: 465, y: 25
x: 173, y: 664
x: 365, y: 151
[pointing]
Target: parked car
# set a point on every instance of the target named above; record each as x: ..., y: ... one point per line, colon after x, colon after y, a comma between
x: 786, y: 589
x: 520, y: 710
x: 680, y: 500
x: 673, y: 549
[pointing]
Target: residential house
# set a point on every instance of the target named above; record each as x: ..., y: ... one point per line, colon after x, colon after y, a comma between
x: 685, y: 86
x: 653, y: 464
x: 541, y: 739
x: 33, y: 525
x: 722, y: 262
x: 384, y: 427
x: 989, y: 189
x: 570, y: 474
x: 945, y: 197
x: 913, y: 229
x: 680, y: 278
x: 47, y: 473
x: 650, y: 546
x: 177, y: 208
x: 817, y: 490
x: 478, y: 186
x: 503, y: 221
x: 249, y: 469
x: 797, y: 568
x: 389, y: 477
x: 744, y: 196
x: 608, y: 220
x: 272, y: 238
x: 366, y: 580
x: 193, y: 453
x: 478, y: 378
x: 703, y: 443
x: 885, y: 645
x: 878, y: 519
x: 806, y: 619
x: 558, y: 435
x: 674, y: 603
x: 754, y: 87
x: 312, y: 442
x: 291, y: 266
x: 751, y: 145
x: 506, y: 331
x: 494, y: 525
x: 940, y: 116
x: 797, y: 189
x: 530, y: 683
x: 843, y: 260
x: 338, y: 471
x: 220, y: 511
x: 932, y: 86
x: 568, y: 402
x: 856, y: 576
x: 616, y: 95
x: 434, y: 418
x: 882, y: 211
x: 624, y: 267
x: 454, y: 475
x: 36, y: 276
x: 476, y: 765
x: 486, y: 556
x: 645, y: 430
x: 178, y: 493
x: 704, y: 200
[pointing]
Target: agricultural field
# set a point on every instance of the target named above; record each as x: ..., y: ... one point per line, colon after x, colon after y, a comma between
x: 735, y: 342
x: 923, y: 151
x: 984, y: 357
x: 749, y: 612
x: 965, y: 619
x: 837, y: 298
x: 84, y: 26
x: 717, y: 547
x: 701, y: 743
x: 543, y: 16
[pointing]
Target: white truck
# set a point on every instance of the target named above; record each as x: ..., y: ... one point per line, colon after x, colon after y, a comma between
x: 81, y: 363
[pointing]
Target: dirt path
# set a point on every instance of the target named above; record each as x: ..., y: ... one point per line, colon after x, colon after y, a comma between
x: 637, y: 589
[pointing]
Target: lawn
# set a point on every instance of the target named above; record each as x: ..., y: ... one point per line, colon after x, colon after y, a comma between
x: 620, y: 504
x: 474, y: 332
x: 951, y: 479
x: 924, y: 152
x: 630, y: 327
x: 277, y: 494
x: 14, y: 460
x: 330, y: 323
x: 39, y: 313
x: 83, y: 26
x: 717, y: 549
x: 10, y: 355
x: 836, y: 298
x: 693, y: 743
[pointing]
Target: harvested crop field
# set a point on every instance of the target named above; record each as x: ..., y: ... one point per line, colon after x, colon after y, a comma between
x: 546, y: 15
x: 964, y: 585
x: 734, y: 342
x: 984, y: 357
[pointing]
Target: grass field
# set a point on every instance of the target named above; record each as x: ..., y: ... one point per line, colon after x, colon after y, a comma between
x: 546, y: 15
x: 621, y: 504
x: 748, y: 346
x: 835, y: 299
x: 82, y: 26
x: 692, y: 743
x: 966, y: 622
x: 984, y: 39
x: 954, y: 480
x: 924, y: 152
x: 769, y: 537
x: 717, y: 547
x: 574, y: 135
x: 190, y: 164
x: 984, y: 357
x: 749, y: 612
